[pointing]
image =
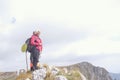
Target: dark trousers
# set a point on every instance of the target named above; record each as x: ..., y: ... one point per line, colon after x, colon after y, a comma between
x: 34, y: 58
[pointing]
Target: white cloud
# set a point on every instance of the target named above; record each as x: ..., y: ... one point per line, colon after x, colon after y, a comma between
x: 6, y: 29
x: 96, y: 45
x: 90, y: 46
x: 68, y: 11
x: 0, y: 20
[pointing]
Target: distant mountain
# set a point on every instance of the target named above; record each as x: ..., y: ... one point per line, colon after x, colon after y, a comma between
x: 91, y: 72
x: 115, y: 76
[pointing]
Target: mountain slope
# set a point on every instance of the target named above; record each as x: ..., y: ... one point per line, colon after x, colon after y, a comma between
x: 91, y: 72
x: 8, y: 75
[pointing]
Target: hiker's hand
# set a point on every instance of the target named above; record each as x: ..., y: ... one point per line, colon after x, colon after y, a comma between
x: 40, y: 44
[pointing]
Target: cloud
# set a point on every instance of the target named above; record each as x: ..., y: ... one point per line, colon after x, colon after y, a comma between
x: 89, y: 46
x: 4, y: 6
x: 71, y: 12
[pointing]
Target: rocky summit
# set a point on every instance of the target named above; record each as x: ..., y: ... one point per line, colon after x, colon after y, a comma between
x: 46, y: 72
x: 80, y: 71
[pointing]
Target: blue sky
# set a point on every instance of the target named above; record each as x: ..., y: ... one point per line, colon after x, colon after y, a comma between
x: 72, y: 31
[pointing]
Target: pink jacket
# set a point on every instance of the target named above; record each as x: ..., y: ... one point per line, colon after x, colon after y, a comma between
x: 36, y: 41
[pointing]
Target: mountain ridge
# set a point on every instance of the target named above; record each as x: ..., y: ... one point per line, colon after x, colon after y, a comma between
x: 88, y: 70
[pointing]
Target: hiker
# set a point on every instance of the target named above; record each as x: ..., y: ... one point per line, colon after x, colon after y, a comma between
x: 36, y: 50
x: 31, y: 56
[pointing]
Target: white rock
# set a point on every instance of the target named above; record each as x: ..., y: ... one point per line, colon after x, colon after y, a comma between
x: 65, y: 70
x: 54, y: 70
x: 39, y: 74
x: 60, y: 77
x: 27, y: 79
x: 50, y: 67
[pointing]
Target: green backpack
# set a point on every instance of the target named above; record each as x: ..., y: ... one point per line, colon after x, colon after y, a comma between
x: 27, y: 47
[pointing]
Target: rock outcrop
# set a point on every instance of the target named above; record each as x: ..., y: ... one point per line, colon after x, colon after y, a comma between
x: 52, y: 73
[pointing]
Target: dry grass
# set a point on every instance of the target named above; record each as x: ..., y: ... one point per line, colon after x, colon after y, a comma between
x: 24, y: 76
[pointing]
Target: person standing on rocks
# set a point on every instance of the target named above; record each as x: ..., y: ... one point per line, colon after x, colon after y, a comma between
x: 36, y: 50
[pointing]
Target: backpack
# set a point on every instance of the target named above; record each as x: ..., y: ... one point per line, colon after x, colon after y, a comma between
x: 24, y: 47
x: 29, y: 46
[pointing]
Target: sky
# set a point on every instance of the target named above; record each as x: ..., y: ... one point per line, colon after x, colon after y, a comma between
x: 72, y: 31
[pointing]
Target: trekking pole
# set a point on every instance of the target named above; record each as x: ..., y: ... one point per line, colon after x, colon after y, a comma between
x: 26, y: 61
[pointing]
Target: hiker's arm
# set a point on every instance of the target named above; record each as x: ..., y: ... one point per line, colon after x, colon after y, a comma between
x: 40, y: 42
